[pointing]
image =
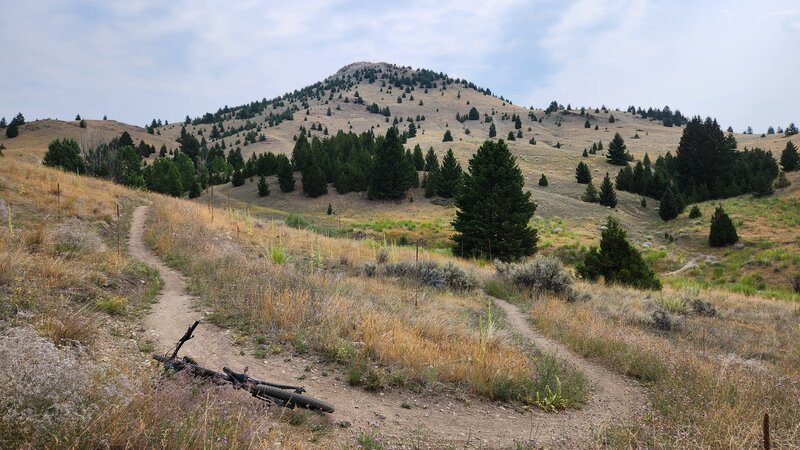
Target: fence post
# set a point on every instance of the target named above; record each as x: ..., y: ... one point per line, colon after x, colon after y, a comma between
x: 766, y: 431
x: 118, y: 223
x: 58, y: 200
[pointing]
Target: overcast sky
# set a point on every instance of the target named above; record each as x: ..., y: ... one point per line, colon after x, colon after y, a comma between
x: 135, y: 60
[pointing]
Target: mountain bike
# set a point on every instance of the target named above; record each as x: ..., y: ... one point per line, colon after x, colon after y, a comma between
x: 283, y: 395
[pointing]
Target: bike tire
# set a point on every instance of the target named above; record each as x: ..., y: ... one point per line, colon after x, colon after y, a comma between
x: 291, y: 399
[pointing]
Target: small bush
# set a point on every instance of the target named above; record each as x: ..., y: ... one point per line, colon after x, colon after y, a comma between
x: 694, y: 213
x: 114, y: 305
x: 543, y: 273
x: 663, y: 320
x: 74, y: 236
x: 65, y: 328
x: 296, y: 221
x: 431, y: 274
x: 795, y: 282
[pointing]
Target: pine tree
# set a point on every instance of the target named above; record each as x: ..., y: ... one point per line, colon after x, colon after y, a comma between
x: 3, y: 123
x: 493, y: 211
x: 263, y: 186
x: 188, y: 173
x: 790, y: 159
x: 585, y: 153
x: 12, y: 130
x: 163, y: 176
x: 582, y: 173
x: 543, y: 181
x: 419, y: 160
x: 617, y: 152
x: 511, y: 136
x: 694, y: 213
x: 473, y: 114
x: 449, y: 176
x: 237, y: 179
x: 391, y: 171
x: 608, y: 197
x: 64, y: 154
x: 587, y: 124
x: 285, y: 174
x: 412, y: 130
x: 782, y: 181
x: 590, y: 195
x: 722, y: 231
x: 314, y: 181
x: 431, y: 161
x: 617, y: 261
x: 492, y: 130
x: 431, y: 182
x: 670, y: 205
x: 448, y: 137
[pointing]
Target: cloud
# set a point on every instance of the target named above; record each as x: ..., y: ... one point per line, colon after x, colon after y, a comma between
x: 140, y: 59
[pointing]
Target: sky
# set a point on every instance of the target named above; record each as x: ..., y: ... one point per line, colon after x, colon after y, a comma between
x: 135, y: 60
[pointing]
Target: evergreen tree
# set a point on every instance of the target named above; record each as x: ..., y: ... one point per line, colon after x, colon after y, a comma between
x: 82, y: 124
x: 782, y: 181
x: 492, y: 130
x: 704, y: 160
x: 473, y: 114
x: 722, y: 231
x: 130, y: 168
x: 263, y: 186
x: 587, y: 124
x: 237, y: 179
x: 617, y: 261
x: 64, y: 154
x: 617, y: 152
x: 585, y: 153
x: 670, y: 205
x: 314, y: 181
x: 20, y: 119
x: 12, y: 130
x: 449, y: 176
x: 448, y: 137
x: 590, y: 195
x: 285, y: 174
x: 694, y: 213
x: 791, y: 130
x: 431, y: 161
x: 543, y: 181
x: 163, y: 151
x: 412, y: 130
x: 493, y: 211
x: 301, y: 153
x: 3, y: 123
x: 391, y: 171
x: 162, y: 176
x: 188, y: 173
x: 419, y: 160
x: 582, y: 173
x: 431, y: 182
x: 790, y: 159
x: 625, y: 180
x: 608, y: 197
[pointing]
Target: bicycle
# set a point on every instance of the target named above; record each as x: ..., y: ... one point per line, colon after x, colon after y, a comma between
x: 283, y: 395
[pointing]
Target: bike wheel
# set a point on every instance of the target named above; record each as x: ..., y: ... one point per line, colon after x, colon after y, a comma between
x: 291, y: 399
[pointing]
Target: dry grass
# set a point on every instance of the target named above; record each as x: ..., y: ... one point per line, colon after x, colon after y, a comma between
x: 711, y: 380
x: 352, y: 319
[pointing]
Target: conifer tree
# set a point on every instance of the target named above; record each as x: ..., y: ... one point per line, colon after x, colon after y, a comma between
x: 473, y: 114
x: 391, y: 171
x: 162, y: 176
x: 543, y: 181
x: 493, y: 211
x: 492, y: 130
x: 314, y: 181
x: 448, y: 137
x: 449, y: 176
x: 237, y: 179
x: 582, y: 173
x: 722, y: 231
x: 590, y: 195
x: 431, y: 161
x: 694, y: 213
x: 617, y: 152
x: 617, y: 261
x: 587, y: 124
x: 585, y: 153
x: 670, y: 206
x: 431, y: 182
x: 608, y: 197
x: 419, y: 160
x: 3, y: 123
x: 285, y: 174
x: 188, y: 173
x: 263, y: 186
x: 65, y: 154
x: 790, y: 159
x: 511, y: 136
x: 12, y: 130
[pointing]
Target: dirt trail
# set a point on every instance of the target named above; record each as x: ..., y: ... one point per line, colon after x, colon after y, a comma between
x: 435, y: 419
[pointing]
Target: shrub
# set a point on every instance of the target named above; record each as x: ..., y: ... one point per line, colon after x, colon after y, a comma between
x: 694, y: 213
x: 74, y: 236
x: 114, y: 305
x: 431, y: 274
x: 795, y: 282
x: 296, y: 221
x: 543, y: 274
x: 617, y: 261
x: 722, y: 231
x: 782, y: 181
x: 46, y: 390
